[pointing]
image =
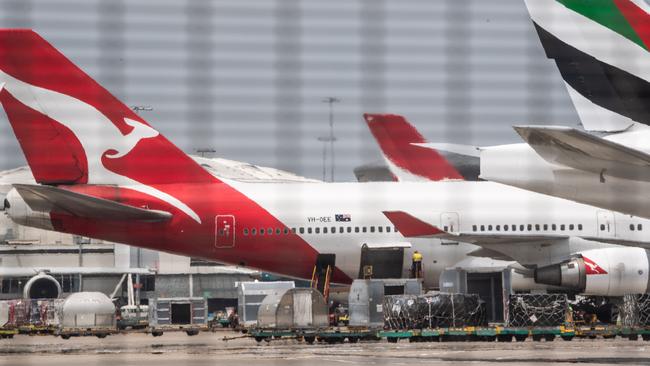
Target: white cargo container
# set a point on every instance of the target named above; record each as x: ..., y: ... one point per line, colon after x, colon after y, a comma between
x: 87, y: 313
x: 251, y: 294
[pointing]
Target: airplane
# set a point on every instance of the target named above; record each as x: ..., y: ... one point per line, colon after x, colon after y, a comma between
x: 602, y: 52
x: 101, y: 171
x: 525, y: 237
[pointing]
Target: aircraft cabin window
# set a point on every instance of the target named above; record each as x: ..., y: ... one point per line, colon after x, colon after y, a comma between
x: 562, y: 227
x: 349, y: 229
x: 380, y: 229
x: 514, y: 227
x: 333, y: 231
x: 579, y: 226
x: 302, y: 230
x: 489, y: 227
x: 545, y: 226
x: 261, y: 231
x: 317, y: 230
x: 278, y: 231
x: 473, y: 227
x: 356, y: 229
x: 253, y: 232
x: 639, y: 227
x: 245, y: 231
x: 602, y: 227
x: 505, y: 227
x: 363, y: 229
x: 521, y: 227
x: 498, y: 227
x: 530, y: 227
x: 372, y: 229
x: 341, y: 229
x: 325, y: 230
x: 553, y: 227
x: 632, y: 227
x: 308, y: 230
x: 571, y: 227
x: 446, y: 228
x: 482, y: 227
x: 388, y: 229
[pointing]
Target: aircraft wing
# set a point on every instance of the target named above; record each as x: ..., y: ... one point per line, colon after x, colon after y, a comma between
x: 580, y: 150
x: 53, y: 199
x: 411, y: 226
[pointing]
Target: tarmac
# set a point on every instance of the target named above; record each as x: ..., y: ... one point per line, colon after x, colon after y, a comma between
x: 175, y: 349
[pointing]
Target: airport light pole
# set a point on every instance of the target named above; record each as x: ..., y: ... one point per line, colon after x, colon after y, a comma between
x: 138, y: 251
x: 331, y: 139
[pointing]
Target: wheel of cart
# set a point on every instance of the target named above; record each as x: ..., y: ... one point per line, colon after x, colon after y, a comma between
x: 609, y: 336
x: 310, y: 339
x: 549, y: 337
x: 156, y: 333
x: 521, y: 337
x: 633, y: 337
x: 504, y: 337
x: 646, y: 337
x: 101, y: 335
x: 353, y: 339
x: 567, y: 338
x: 192, y: 332
x: 490, y: 338
x: 392, y: 339
x: 65, y: 336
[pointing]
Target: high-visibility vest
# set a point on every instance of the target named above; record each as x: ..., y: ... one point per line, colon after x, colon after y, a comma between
x: 417, y: 257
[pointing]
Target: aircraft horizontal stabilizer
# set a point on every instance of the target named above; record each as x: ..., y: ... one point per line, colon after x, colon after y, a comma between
x: 53, y: 199
x: 580, y: 150
x: 410, y: 226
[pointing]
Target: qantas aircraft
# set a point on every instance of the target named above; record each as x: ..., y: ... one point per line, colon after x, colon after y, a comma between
x: 602, y: 52
x: 411, y: 157
x: 103, y: 172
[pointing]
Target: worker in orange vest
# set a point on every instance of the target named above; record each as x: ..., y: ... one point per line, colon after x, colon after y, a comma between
x: 416, y: 266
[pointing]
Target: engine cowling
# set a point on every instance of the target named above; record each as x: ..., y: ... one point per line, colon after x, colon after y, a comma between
x: 602, y: 272
x: 42, y: 286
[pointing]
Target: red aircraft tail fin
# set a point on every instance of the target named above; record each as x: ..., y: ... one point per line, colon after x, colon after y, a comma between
x: 397, y: 139
x: 72, y: 130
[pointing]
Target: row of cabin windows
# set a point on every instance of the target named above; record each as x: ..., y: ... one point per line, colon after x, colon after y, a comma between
x: 318, y: 230
x: 639, y: 227
x: 528, y: 227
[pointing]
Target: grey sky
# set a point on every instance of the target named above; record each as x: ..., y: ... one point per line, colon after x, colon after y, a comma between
x: 247, y: 77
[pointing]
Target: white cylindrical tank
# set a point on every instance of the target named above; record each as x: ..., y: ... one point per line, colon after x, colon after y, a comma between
x: 88, y: 310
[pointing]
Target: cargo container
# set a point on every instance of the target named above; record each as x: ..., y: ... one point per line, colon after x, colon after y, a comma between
x: 366, y: 299
x: 188, y: 314
x: 294, y: 308
x: 87, y: 313
x: 250, y: 296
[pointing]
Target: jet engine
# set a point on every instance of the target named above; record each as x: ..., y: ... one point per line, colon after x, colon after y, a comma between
x: 42, y: 286
x: 601, y: 272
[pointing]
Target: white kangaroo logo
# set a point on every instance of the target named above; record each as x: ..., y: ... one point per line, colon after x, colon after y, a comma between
x: 97, y: 134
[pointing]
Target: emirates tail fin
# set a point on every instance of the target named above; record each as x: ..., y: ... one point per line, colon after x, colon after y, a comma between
x: 601, y: 49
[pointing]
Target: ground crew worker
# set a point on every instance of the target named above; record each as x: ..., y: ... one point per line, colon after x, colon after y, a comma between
x: 416, y: 267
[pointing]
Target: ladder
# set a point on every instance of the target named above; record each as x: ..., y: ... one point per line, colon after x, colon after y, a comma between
x: 320, y: 279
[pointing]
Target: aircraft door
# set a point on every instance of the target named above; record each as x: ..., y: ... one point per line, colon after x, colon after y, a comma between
x: 449, y: 222
x: 606, y: 225
x: 224, y: 231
